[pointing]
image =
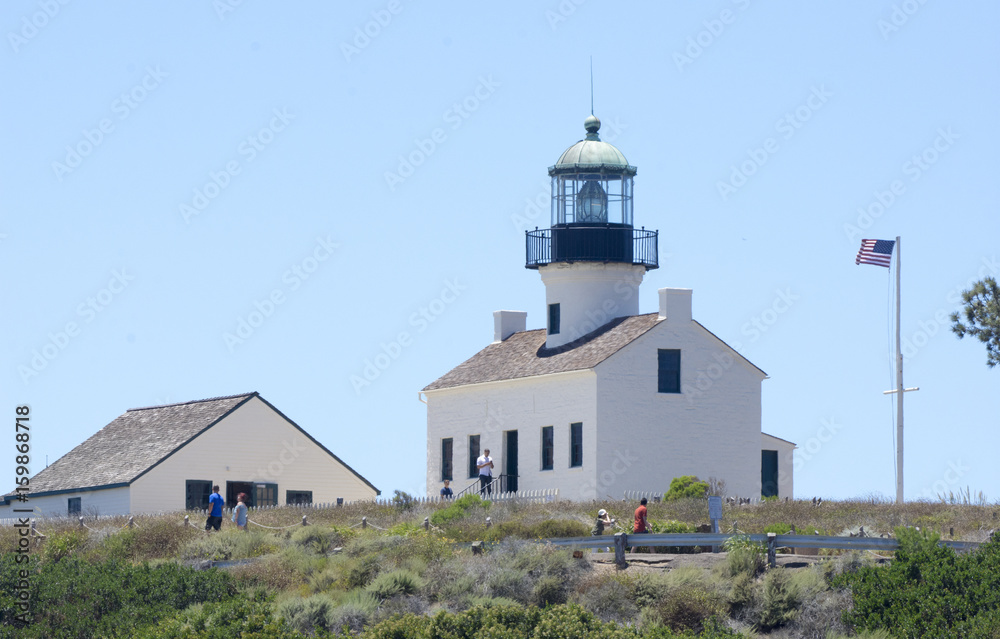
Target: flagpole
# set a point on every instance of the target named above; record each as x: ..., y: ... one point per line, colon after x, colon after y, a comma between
x: 899, y: 387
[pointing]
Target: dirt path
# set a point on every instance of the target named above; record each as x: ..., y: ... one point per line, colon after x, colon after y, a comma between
x: 706, y: 560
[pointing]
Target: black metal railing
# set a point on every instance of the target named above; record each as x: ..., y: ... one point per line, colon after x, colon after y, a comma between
x: 502, y: 483
x: 604, y: 243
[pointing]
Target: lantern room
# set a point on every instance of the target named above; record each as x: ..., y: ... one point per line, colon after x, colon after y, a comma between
x: 591, y: 209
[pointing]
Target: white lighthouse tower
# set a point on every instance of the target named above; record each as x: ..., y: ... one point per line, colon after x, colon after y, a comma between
x: 592, y: 259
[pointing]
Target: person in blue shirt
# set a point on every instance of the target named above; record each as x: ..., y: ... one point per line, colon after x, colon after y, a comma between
x: 215, y: 504
x: 446, y: 491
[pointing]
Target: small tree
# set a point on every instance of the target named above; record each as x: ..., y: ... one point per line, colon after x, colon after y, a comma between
x: 981, y: 309
x: 685, y: 487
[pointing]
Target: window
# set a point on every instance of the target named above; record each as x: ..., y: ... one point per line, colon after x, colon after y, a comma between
x: 669, y: 370
x: 547, y: 441
x: 473, y: 456
x: 446, y: 453
x: 267, y: 495
x: 298, y: 497
x: 75, y: 506
x: 197, y: 492
x: 576, y: 444
x: 553, y: 319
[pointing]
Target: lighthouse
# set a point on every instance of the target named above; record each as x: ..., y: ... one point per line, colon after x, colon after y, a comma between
x: 592, y: 259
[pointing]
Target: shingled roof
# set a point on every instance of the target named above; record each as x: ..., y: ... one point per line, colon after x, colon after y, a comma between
x: 524, y: 354
x: 138, y: 440
x: 133, y: 443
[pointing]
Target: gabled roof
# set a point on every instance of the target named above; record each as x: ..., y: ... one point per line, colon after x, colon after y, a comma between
x: 138, y: 440
x: 524, y: 354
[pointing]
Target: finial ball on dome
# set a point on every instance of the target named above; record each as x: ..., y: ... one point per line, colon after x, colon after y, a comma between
x: 592, y: 124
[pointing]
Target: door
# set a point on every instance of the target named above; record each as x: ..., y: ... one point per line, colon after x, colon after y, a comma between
x: 510, y: 460
x: 768, y: 473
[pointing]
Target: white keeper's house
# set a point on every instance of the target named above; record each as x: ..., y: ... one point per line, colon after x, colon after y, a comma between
x: 602, y: 400
x: 167, y: 458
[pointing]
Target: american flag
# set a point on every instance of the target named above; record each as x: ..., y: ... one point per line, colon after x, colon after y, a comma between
x: 877, y: 252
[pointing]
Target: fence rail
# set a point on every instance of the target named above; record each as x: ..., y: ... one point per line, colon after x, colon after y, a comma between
x: 771, y: 541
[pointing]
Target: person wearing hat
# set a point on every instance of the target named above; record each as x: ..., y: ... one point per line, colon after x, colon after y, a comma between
x: 603, y: 519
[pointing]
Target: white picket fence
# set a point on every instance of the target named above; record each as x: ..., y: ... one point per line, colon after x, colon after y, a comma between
x: 657, y: 496
x: 525, y: 496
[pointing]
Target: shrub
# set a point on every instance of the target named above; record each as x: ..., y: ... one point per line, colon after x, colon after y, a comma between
x: 686, y: 487
x: 457, y: 509
x: 63, y: 544
x: 779, y: 601
x: 318, y: 539
x: 397, y: 582
x: 608, y: 597
x: 687, y: 608
x: 744, y: 556
x: 548, y: 591
x: 357, y: 572
x: 551, y: 528
x: 157, y: 539
x: 403, y: 500
x: 353, y: 613
x: 230, y: 544
x: 744, y: 597
x: 309, y: 614
x: 74, y: 597
x: 928, y: 590
x: 249, y: 617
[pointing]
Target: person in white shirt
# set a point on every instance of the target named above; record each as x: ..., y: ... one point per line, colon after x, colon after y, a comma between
x: 485, y: 466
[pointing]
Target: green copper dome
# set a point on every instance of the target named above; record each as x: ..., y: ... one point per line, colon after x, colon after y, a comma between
x: 592, y: 154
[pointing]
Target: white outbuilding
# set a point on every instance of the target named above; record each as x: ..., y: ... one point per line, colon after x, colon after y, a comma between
x: 167, y: 458
x: 602, y: 400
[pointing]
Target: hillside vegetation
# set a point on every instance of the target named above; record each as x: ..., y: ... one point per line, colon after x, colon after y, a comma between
x: 396, y: 579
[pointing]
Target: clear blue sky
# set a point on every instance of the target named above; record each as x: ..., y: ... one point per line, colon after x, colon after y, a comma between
x: 181, y: 163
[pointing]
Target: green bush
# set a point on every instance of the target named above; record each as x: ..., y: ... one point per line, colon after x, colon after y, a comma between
x: 928, y: 590
x: 457, y: 509
x: 319, y: 539
x: 397, y: 582
x: 77, y: 598
x: 609, y: 598
x: 744, y: 556
x: 309, y: 614
x: 353, y: 613
x: 686, y: 487
x: 63, y: 544
x: 248, y: 617
x: 779, y: 601
x: 552, y: 528
x: 687, y: 608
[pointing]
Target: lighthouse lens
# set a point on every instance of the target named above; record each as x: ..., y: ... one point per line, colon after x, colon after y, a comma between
x: 592, y: 203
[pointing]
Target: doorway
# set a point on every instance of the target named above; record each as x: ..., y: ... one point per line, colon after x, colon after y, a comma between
x: 510, y: 460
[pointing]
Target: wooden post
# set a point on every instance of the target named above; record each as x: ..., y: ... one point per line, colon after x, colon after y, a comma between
x: 364, y: 523
x: 304, y: 522
x: 771, y: 549
x: 81, y: 522
x: 489, y: 522
x: 477, y: 548
x: 187, y: 521
x: 131, y: 522
x: 621, y: 540
x: 427, y: 523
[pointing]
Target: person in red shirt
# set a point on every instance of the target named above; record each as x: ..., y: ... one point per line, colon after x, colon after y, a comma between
x: 640, y: 526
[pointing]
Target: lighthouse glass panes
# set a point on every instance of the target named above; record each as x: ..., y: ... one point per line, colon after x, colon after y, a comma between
x: 591, y: 199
